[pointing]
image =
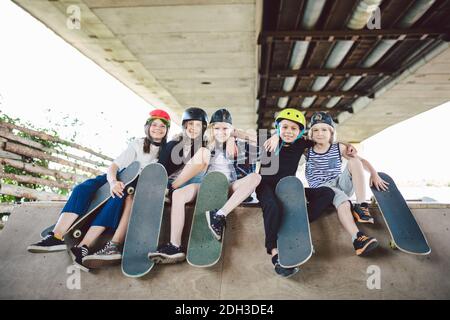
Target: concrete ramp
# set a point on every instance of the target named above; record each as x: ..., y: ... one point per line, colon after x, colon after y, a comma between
x: 244, y: 272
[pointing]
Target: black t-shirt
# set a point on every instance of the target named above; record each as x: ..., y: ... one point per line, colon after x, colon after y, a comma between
x: 171, y: 156
x: 288, y: 159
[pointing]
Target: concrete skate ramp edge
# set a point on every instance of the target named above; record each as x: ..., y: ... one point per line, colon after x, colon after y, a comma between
x: 244, y: 271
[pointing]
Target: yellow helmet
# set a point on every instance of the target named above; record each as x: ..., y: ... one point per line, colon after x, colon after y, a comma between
x: 292, y: 115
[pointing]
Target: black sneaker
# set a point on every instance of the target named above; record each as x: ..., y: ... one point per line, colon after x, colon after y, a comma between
x: 111, y: 254
x: 361, y: 213
x: 48, y: 244
x: 77, y: 254
x: 216, y: 223
x: 282, y: 271
x: 167, y: 253
x: 364, y: 244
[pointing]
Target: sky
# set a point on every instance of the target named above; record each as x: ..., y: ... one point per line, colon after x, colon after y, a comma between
x: 56, y: 84
x: 49, y: 83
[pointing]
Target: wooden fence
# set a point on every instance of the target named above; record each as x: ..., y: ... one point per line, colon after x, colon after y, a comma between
x: 65, y: 168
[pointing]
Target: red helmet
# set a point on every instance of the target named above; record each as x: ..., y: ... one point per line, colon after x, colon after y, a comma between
x: 160, y: 114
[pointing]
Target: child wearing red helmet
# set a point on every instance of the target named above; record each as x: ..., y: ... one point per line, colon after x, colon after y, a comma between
x: 115, y: 213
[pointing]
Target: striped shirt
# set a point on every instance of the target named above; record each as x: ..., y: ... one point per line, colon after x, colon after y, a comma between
x: 323, y: 167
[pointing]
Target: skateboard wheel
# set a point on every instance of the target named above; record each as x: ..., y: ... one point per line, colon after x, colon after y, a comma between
x: 77, y: 234
x: 130, y: 190
x: 392, y: 245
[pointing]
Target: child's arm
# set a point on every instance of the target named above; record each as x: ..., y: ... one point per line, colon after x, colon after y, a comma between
x: 271, y: 144
x: 245, y: 135
x: 347, y: 150
x: 375, y: 179
x: 231, y: 148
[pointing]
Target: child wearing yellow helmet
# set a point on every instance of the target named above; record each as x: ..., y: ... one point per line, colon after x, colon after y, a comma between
x: 290, y: 128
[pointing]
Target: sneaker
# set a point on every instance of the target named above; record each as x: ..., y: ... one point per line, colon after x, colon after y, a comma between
x: 364, y: 244
x: 48, y: 244
x: 216, y: 223
x: 111, y: 254
x: 77, y: 254
x: 361, y: 213
x: 167, y: 253
x: 282, y: 271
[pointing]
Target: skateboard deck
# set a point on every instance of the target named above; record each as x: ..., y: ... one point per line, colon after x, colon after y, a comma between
x: 145, y: 221
x: 405, y: 232
x: 294, y: 237
x: 204, y: 250
x: 76, y: 232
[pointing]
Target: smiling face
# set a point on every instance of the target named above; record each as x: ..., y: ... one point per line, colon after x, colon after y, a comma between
x: 289, y: 130
x: 157, y: 130
x: 193, y: 128
x: 321, y: 133
x: 222, y: 131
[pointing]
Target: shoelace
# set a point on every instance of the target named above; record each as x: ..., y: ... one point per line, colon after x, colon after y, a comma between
x: 366, y: 211
x: 47, y: 237
x: 108, y: 246
x: 362, y: 238
x: 84, y: 251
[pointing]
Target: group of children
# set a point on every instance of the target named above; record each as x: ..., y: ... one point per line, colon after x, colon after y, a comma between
x: 216, y: 145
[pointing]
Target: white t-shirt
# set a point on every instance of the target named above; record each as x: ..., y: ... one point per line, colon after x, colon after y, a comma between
x: 135, y: 152
x: 220, y: 162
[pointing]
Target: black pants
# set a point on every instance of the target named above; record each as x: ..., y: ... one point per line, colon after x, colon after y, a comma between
x: 318, y: 199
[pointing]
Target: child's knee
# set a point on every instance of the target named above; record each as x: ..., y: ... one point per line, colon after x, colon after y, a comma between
x: 255, y: 179
x: 178, y: 196
x: 345, y: 206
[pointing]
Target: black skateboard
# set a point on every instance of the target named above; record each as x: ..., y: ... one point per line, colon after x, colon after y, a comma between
x: 76, y: 232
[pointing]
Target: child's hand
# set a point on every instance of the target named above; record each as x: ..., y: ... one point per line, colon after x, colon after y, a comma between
x: 231, y: 148
x: 271, y: 144
x: 351, y: 151
x: 375, y: 180
x: 116, y: 188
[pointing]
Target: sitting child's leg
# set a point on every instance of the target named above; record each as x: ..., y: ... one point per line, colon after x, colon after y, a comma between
x: 111, y: 253
x: 241, y: 189
x: 355, y: 174
x: 361, y: 242
x: 177, y: 216
x: 198, y: 163
x: 171, y: 252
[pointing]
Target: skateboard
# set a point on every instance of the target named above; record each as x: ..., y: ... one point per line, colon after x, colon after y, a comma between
x: 406, y: 234
x: 145, y: 221
x: 76, y: 232
x: 204, y: 250
x: 294, y: 237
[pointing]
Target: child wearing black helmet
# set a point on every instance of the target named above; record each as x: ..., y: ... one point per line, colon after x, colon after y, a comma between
x: 323, y: 168
x: 185, y: 159
x: 223, y: 147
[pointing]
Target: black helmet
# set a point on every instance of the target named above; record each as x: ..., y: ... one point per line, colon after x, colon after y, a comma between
x: 321, y: 117
x: 194, y: 114
x: 221, y: 115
